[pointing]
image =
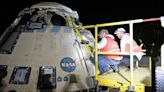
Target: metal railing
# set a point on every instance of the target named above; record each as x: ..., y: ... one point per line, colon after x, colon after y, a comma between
x: 131, y: 53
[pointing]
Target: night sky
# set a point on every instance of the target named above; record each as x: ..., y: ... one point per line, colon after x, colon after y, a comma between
x: 100, y: 11
x: 90, y: 12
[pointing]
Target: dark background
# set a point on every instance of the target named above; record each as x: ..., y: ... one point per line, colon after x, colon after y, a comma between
x: 90, y: 11
x: 100, y: 11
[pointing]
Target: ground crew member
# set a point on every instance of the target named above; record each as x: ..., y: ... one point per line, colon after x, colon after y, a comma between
x: 125, y: 47
x: 108, y: 44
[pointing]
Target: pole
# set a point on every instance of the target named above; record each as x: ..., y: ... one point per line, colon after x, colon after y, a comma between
x: 96, y: 54
x: 131, y: 54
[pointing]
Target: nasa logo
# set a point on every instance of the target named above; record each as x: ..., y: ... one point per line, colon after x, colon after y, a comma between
x: 67, y: 64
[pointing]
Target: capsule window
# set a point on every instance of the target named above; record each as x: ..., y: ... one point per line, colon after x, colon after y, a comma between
x: 58, y: 20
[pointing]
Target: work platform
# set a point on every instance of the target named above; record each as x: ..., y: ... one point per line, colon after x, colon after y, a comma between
x: 142, y: 75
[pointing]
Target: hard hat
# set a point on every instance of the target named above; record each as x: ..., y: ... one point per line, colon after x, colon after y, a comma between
x: 103, y: 31
x: 120, y: 30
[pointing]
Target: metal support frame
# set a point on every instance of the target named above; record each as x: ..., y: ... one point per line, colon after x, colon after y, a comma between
x: 113, y: 83
x: 131, y: 54
x: 96, y: 52
x: 150, y: 63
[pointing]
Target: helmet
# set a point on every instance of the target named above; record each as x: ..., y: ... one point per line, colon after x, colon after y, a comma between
x: 103, y: 31
x: 120, y: 30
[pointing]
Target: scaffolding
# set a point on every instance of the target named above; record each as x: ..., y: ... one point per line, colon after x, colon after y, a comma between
x: 123, y: 85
